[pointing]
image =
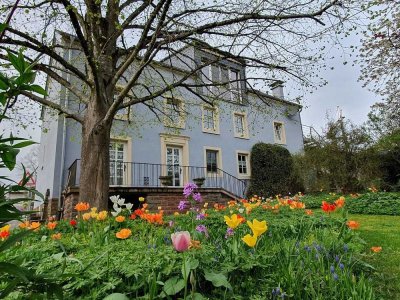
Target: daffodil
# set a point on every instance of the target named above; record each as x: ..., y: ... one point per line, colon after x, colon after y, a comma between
x: 258, y: 227
x: 233, y: 221
x: 250, y: 240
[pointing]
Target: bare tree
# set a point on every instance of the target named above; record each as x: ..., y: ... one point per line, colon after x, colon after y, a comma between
x: 380, y: 61
x: 123, y: 41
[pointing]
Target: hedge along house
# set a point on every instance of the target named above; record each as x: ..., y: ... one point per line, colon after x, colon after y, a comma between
x: 159, y: 146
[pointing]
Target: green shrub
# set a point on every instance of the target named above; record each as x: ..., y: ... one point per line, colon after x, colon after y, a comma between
x: 272, y: 171
x: 375, y: 204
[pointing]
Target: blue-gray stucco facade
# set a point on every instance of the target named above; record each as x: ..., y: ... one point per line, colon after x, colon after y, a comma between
x: 61, y: 138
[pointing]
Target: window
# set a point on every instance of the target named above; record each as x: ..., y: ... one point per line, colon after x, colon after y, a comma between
x: 213, y: 161
x: 243, y: 164
x: 174, y: 115
x: 279, y: 133
x: 210, y: 120
x: 235, y: 86
x: 206, y: 76
x: 240, y: 125
x: 117, y: 163
x: 217, y: 74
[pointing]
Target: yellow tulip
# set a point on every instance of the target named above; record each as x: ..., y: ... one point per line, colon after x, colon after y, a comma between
x: 258, y: 227
x: 102, y: 215
x: 250, y: 240
x: 233, y: 221
x: 86, y: 216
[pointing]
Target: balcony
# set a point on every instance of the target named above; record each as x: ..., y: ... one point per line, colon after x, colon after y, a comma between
x: 148, y: 175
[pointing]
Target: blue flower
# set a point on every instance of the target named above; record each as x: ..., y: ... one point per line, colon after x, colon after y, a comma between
x: 341, y: 266
x: 345, y: 247
x: 337, y: 258
x: 335, y: 276
x: 332, y: 268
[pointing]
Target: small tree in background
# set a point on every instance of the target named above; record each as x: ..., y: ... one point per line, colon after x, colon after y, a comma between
x: 272, y: 171
x: 342, y: 159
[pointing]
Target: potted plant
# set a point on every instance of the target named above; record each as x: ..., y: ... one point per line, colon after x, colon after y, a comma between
x: 166, y: 180
x: 199, y: 181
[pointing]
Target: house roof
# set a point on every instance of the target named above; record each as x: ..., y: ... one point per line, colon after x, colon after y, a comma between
x: 265, y: 95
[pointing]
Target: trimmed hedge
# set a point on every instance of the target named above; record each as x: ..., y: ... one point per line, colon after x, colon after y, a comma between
x: 272, y: 171
x: 375, y: 204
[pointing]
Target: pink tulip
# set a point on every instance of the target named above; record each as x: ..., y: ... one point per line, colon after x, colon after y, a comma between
x: 181, y: 240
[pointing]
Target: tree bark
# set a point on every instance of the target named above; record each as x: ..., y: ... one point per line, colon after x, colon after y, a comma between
x: 95, y: 157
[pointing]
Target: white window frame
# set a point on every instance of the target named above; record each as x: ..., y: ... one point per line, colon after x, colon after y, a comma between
x: 219, y: 161
x: 247, y: 155
x: 215, y: 116
x: 281, y: 141
x: 245, y: 134
x: 181, y: 109
x: 127, y: 142
x: 233, y: 91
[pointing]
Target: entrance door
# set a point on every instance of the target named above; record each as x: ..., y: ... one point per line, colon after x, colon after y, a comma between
x: 174, y: 165
x: 118, y: 168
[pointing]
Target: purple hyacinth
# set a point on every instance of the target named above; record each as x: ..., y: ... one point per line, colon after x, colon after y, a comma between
x: 202, y: 229
x: 229, y: 232
x: 200, y: 216
x: 197, y: 197
x: 182, y: 204
x: 341, y: 266
x: 189, y: 188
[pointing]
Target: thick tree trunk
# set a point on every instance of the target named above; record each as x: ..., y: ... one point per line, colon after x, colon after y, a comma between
x: 95, y: 158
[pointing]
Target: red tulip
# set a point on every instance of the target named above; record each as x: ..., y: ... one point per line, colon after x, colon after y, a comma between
x: 327, y: 207
x: 72, y: 223
x: 181, y: 240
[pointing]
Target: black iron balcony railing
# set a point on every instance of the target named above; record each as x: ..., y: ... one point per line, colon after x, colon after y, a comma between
x: 133, y: 174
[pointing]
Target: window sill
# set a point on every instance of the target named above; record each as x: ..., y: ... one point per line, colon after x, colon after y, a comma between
x: 244, y: 137
x: 211, y: 132
x: 245, y: 177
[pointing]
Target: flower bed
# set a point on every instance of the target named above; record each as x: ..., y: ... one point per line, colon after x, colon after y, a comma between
x: 248, y: 249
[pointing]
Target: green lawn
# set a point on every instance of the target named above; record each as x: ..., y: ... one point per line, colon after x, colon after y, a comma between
x: 384, y: 231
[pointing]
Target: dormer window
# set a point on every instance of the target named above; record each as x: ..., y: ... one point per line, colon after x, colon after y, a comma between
x: 235, y: 86
x: 227, y: 84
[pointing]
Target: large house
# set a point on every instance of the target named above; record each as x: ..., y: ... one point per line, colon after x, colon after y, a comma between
x: 156, y: 150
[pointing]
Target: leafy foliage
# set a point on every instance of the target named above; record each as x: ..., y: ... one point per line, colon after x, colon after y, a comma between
x: 341, y: 160
x: 294, y: 258
x: 376, y: 204
x: 271, y: 171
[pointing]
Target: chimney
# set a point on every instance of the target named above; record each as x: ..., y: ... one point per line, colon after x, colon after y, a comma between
x: 277, y: 89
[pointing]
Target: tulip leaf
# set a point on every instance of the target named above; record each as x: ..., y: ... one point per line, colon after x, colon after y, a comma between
x: 173, y: 286
x: 116, y: 296
x: 217, y: 279
x: 190, y: 264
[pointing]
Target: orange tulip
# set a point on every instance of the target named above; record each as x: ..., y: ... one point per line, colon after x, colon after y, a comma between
x: 82, y: 206
x: 123, y: 234
x: 376, y: 249
x: 340, y: 202
x: 56, y: 236
x: 120, y: 219
x: 35, y: 226
x: 353, y: 224
x: 309, y: 212
x: 51, y: 225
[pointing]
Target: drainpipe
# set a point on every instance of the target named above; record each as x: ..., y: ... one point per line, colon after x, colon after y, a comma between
x: 60, y: 200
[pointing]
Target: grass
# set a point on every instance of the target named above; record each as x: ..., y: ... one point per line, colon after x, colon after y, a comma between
x: 379, y: 230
